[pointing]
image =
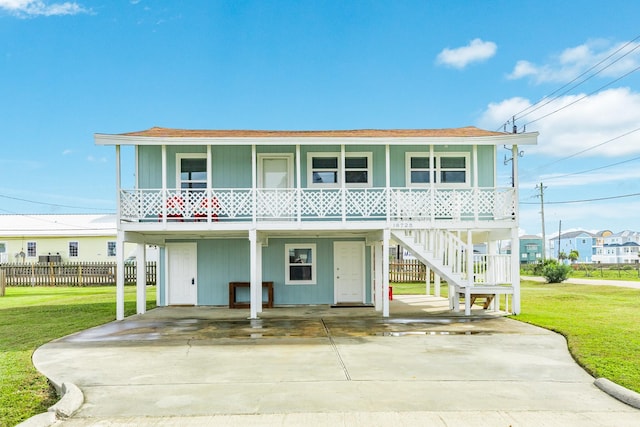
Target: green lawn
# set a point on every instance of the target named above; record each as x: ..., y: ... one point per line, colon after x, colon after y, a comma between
x: 30, y: 317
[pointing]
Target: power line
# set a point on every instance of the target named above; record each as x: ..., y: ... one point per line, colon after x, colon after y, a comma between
x: 54, y: 204
x: 583, y: 81
x: 574, y: 80
x: 583, y: 97
x: 584, y: 200
x: 589, y: 148
x: 594, y: 169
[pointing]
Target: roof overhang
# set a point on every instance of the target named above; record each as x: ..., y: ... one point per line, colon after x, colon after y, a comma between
x: 459, y: 136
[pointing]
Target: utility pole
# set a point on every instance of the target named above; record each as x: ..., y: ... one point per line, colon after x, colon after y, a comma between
x: 544, y: 235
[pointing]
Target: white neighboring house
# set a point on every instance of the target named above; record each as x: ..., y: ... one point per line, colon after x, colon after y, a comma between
x: 58, y: 238
x: 619, y: 248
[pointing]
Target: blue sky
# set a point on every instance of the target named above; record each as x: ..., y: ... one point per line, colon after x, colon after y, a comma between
x: 74, y: 68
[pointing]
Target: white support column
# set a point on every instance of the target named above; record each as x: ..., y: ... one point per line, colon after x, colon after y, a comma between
x: 298, y: 185
x: 387, y: 181
x: 259, y: 273
x: 378, y: 274
x: 141, y: 278
x: 343, y: 184
x: 120, y: 276
x: 254, y: 181
x: 253, y: 268
x: 386, y: 235
x: 470, y: 278
x: 515, y: 270
x: 436, y: 284
x: 164, y: 183
x: 427, y: 287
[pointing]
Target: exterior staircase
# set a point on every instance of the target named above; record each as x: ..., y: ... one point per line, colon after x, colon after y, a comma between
x: 469, y: 276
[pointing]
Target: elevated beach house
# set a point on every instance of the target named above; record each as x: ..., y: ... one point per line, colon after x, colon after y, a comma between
x: 306, y: 217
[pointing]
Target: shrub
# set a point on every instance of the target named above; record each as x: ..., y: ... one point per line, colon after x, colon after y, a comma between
x: 556, y: 273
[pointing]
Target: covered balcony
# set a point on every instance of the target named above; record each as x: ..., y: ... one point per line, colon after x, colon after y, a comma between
x: 395, y: 205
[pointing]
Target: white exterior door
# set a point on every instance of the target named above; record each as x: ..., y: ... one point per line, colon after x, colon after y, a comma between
x: 348, y: 272
x: 182, y: 275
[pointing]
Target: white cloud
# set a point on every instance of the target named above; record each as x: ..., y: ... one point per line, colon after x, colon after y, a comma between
x: 476, y: 51
x: 41, y: 8
x: 67, y: 152
x: 574, y: 61
x: 581, y: 124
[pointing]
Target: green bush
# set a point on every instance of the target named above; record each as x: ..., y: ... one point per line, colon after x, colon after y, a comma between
x: 555, y: 273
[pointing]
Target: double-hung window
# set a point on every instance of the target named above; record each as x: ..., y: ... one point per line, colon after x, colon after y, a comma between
x: 73, y: 249
x: 192, y: 171
x: 111, y: 248
x: 31, y: 249
x: 445, y: 169
x: 300, y: 264
x: 326, y: 170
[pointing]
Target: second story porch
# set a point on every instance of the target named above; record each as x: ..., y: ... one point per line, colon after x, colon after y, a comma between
x: 242, y: 205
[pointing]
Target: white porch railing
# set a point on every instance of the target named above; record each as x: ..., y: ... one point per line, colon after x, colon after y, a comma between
x: 392, y: 204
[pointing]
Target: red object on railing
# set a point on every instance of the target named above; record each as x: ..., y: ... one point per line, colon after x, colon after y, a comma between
x: 390, y: 293
x: 175, y: 208
x: 208, y: 205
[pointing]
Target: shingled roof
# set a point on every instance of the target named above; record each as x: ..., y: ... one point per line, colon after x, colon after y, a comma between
x: 160, y: 132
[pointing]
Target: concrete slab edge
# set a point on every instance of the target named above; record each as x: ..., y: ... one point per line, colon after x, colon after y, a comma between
x: 623, y: 394
x: 71, y: 400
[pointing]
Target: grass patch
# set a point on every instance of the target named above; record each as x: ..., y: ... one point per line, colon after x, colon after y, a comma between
x: 417, y: 288
x: 34, y: 316
x: 600, y: 324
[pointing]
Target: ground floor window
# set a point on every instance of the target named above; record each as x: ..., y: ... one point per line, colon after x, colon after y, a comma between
x: 300, y: 264
x: 111, y: 248
x: 31, y: 249
x: 73, y: 249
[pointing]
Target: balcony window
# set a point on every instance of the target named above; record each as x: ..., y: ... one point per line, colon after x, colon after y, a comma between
x: 300, y: 264
x: 448, y: 169
x: 326, y: 170
x: 191, y: 171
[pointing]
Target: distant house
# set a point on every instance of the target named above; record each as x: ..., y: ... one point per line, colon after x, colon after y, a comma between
x: 57, y: 238
x: 312, y: 214
x: 619, y: 248
x: 581, y: 241
x: 531, y: 249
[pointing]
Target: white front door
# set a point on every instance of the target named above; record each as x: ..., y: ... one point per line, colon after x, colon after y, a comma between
x: 182, y: 276
x: 348, y: 271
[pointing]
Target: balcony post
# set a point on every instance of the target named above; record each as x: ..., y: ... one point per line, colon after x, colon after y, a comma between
x: 386, y: 235
x: 298, y: 186
x: 141, y: 279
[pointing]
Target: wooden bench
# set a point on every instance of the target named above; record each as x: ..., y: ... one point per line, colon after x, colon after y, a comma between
x: 233, y: 286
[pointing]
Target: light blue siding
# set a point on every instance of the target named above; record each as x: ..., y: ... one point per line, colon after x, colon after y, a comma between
x: 223, y: 261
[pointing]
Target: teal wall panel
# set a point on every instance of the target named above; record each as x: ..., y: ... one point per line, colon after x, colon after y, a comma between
x: 486, y: 166
x: 231, y: 166
x: 221, y: 262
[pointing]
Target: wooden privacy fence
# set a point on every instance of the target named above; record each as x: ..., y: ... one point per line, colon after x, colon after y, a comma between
x: 71, y: 274
x: 407, y: 271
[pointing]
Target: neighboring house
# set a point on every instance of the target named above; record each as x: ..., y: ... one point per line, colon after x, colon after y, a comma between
x: 313, y: 212
x: 581, y: 241
x: 619, y: 248
x: 57, y: 238
x: 531, y: 249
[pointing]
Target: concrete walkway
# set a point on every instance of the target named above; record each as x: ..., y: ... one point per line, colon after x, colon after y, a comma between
x: 596, y: 282
x: 320, y: 366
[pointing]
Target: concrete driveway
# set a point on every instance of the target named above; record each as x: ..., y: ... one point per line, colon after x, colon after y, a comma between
x: 318, y: 366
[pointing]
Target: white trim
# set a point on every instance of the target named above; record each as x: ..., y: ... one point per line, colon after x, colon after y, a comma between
x: 530, y: 138
x: 313, y: 264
